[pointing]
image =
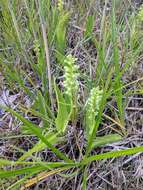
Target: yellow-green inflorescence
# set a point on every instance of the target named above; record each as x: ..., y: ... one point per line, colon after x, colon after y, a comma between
x: 71, y: 83
x: 140, y: 14
x: 60, y: 5
x: 92, y: 108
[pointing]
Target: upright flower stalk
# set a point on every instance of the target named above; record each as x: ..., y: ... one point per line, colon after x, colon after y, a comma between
x: 71, y: 73
x: 92, y: 108
x: 71, y: 83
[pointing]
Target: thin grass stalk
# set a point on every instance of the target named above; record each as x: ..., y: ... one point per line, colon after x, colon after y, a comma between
x: 43, y: 27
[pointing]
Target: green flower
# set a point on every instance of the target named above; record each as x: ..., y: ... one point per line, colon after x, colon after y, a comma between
x: 140, y: 14
x: 92, y: 108
x: 71, y: 83
x: 60, y: 5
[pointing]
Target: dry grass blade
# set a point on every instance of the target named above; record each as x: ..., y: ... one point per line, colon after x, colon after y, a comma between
x: 40, y: 177
x: 114, y: 121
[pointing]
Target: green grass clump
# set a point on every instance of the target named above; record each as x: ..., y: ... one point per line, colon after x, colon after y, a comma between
x: 57, y: 88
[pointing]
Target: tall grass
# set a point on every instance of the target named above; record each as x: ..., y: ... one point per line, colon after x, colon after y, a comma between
x: 37, y: 37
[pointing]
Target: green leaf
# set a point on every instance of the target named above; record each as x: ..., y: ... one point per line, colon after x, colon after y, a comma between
x: 4, y: 162
x: 60, y: 35
x: 85, y: 176
x: 107, y: 139
x: 40, y: 146
x: 116, y: 60
x: 42, y: 103
x: 113, y: 154
x: 64, y: 111
x: 11, y: 173
x: 42, y: 106
x: 89, y: 26
x: 36, y: 168
x: 36, y: 130
x: 61, y: 32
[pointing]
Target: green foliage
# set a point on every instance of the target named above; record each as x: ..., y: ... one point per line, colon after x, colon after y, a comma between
x: 60, y: 35
x: 22, y: 40
x: 116, y: 61
x: 107, y: 139
x: 114, y: 154
x: 37, y: 131
x: 64, y: 111
x: 52, y: 138
x: 136, y: 30
x: 89, y: 26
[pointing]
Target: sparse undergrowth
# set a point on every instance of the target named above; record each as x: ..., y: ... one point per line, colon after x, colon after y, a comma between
x: 71, y: 94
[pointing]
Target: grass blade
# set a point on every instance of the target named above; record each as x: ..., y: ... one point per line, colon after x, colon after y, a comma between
x: 37, y: 132
x: 4, y: 174
x: 108, y: 139
x: 63, y: 115
x: 52, y: 138
x: 113, y: 154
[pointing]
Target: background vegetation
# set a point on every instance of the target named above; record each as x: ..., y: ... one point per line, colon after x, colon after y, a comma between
x: 71, y: 94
